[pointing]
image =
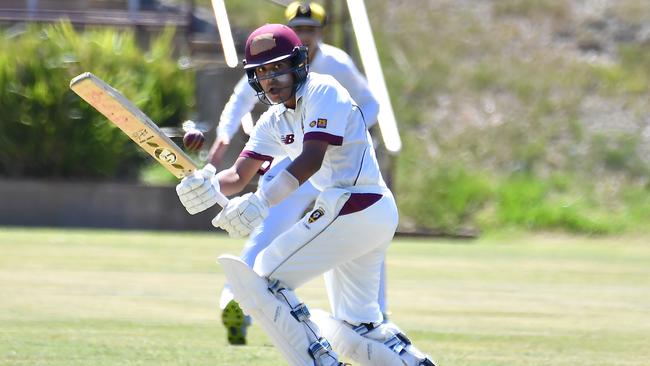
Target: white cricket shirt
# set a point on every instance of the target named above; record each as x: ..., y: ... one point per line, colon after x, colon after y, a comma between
x: 324, y: 111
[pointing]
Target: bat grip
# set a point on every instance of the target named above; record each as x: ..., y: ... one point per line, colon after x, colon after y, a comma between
x: 221, y: 199
x: 210, y: 173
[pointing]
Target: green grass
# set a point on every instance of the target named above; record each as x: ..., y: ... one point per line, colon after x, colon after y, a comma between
x: 73, y: 297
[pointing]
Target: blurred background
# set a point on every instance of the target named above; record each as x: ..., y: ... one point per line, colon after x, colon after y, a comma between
x: 525, y: 127
x: 514, y: 114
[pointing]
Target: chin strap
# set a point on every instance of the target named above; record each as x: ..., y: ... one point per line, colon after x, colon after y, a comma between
x: 261, y: 94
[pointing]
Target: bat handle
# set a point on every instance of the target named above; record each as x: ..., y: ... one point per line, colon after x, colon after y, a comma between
x: 209, y: 172
x: 221, y: 199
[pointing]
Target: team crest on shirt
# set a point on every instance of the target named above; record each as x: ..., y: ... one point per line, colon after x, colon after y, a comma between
x: 321, y: 123
x: 312, y: 124
x: 317, y: 214
x: 287, y: 139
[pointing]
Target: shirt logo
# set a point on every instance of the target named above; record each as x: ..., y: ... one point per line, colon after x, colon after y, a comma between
x: 317, y: 214
x: 321, y: 123
x: 287, y: 139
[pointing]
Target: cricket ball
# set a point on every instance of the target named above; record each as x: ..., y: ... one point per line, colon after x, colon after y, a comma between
x: 193, y: 140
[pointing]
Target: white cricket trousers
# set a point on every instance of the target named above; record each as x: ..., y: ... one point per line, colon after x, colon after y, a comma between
x: 347, y: 246
x: 281, y: 216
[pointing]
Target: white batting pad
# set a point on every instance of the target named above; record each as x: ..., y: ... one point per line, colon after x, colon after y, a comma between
x: 253, y: 295
x: 348, y: 343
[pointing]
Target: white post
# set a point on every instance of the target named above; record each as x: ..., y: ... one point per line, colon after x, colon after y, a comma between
x: 32, y: 6
x: 370, y: 60
x: 228, y: 44
x: 134, y: 7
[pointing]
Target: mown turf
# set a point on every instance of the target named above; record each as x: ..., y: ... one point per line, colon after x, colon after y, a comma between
x: 72, y: 297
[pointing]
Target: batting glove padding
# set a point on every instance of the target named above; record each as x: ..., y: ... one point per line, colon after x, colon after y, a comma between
x: 198, y: 192
x: 242, y: 214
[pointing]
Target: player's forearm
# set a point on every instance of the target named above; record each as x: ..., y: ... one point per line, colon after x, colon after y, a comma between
x: 230, y: 182
x: 370, y: 111
x: 234, y: 179
x: 232, y: 115
x: 309, y: 161
x: 240, y: 103
x: 357, y: 86
x: 367, y: 102
x: 302, y: 169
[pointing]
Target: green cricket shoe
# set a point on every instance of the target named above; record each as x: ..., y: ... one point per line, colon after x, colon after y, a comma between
x: 236, y: 323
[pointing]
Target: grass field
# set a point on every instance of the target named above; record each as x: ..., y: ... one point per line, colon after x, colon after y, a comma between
x: 72, y: 297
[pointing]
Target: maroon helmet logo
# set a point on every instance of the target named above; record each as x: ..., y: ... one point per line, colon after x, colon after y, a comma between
x: 261, y: 43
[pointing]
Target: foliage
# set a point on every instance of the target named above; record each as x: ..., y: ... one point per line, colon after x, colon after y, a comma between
x: 249, y: 14
x: 446, y: 196
x: 506, y: 121
x: 548, y: 138
x: 545, y: 204
x: 534, y: 8
x: 48, y: 131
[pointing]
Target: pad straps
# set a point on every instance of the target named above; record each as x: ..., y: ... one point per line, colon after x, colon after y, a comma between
x: 319, y: 348
x: 397, y: 342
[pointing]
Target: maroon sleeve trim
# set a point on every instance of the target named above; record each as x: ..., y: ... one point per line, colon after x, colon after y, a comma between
x: 323, y: 136
x: 253, y: 155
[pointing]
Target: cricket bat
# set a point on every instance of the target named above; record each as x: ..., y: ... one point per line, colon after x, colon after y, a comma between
x: 133, y: 122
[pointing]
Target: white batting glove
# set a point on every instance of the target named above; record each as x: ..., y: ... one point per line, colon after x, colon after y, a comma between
x: 242, y: 214
x: 198, y: 192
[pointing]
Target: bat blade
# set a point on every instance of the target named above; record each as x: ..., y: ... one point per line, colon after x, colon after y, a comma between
x: 133, y: 122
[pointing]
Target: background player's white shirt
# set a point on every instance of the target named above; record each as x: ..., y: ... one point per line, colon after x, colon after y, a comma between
x: 334, y: 61
x: 328, y: 60
x: 324, y: 111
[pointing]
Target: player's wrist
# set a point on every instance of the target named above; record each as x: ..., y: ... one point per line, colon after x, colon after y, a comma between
x: 227, y: 129
x: 222, y: 132
x: 278, y: 188
x: 261, y: 198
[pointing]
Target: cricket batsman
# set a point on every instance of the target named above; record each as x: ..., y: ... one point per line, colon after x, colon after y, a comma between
x: 315, y: 122
x: 308, y: 20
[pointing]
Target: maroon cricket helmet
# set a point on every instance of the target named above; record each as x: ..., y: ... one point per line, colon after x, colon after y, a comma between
x: 270, y: 43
